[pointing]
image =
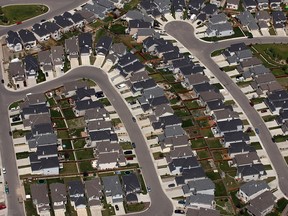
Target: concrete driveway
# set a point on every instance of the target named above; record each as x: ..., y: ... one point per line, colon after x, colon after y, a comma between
x: 121, y: 210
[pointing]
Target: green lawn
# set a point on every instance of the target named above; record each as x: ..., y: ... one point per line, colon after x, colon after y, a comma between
x: 169, y: 77
x: 217, y: 155
x: 256, y: 145
x: 280, y: 138
x: 69, y: 168
x: 84, y: 154
x: 269, y: 118
x: 187, y: 123
x: 64, y: 104
x: 135, y: 207
x: 217, y: 52
x: 158, y: 155
x: 228, y: 68
x: 198, y: 143
x: 118, y: 29
x: 76, y: 122
x: 205, y: 164
x: 230, y: 182
x: 281, y: 204
x: 203, y: 123
x: 203, y: 154
x: 213, y: 143
x: 60, y: 123
x: 213, y: 175
x: 85, y: 166
x: 105, y: 101
x: 15, y: 104
x: 66, y: 144
x: 191, y: 104
x: 131, y: 5
x: 79, y: 143
x: 41, y: 77
x: 17, y: 13
x: 206, y: 132
x: 178, y: 87
x: 22, y: 155
x: 274, y: 51
x: 181, y: 112
x: 19, y: 133
x: 51, y: 101
x: 55, y: 113
x: 126, y: 145
x: 62, y: 134
x: 29, y: 207
x: 69, y: 113
x: 116, y: 121
x: 157, y: 77
x: 220, y: 189
x: 235, y: 200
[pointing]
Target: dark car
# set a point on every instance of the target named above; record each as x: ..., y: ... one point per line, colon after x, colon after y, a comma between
x: 273, y: 139
x: 2, y: 81
x: 128, y: 152
x: 257, y: 130
x: 133, y: 119
x: 10, y: 133
x: 43, y: 20
x: 117, y: 207
x: 181, y: 202
x: 171, y: 185
x: 178, y: 211
x: 16, y: 118
x: 129, y: 158
x: 133, y: 145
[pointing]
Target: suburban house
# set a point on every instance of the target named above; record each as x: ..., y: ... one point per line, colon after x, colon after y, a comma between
x: 229, y: 126
x: 276, y: 100
x: 65, y: 23
x: 112, y: 189
x: 72, y: 48
x: 31, y: 66
x: 199, y: 186
x: 248, y: 21
x: 218, y: 26
x: 85, y: 43
x: 135, y: 25
x: 76, y: 18
x: 252, y: 189
x: 77, y: 194
x: 251, y: 172
x: 14, y: 42
x: 275, y: 4
x: 234, y: 137
x: 40, y: 32
x: 224, y: 115
x: 93, y: 189
x: 103, y: 46
x: 28, y: 39
x: 262, y: 204
x: 279, y: 20
x: 232, y: 4
x: 263, y: 4
x: 58, y: 197
x: 131, y: 187
x: 190, y: 174
x: 250, y: 5
x: 239, y: 148
x: 176, y: 166
x: 17, y: 73
x: 45, y: 63
x: 200, y: 201
x: 110, y: 160
x: 202, y: 212
x: 57, y: 56
x: 40, y: 198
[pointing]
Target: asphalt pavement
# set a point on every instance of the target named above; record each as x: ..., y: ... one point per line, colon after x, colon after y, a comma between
x: 184, y: 33
x: 160, y: 204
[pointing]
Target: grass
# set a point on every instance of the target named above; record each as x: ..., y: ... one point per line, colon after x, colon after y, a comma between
x: 131, y: 5
x: 100, y: 32
x: 79, y: 143
x: 19, y: 133
x: 280, y: 138
x: 85, y: 166
x: 22, y: 155
x: 224, y: 166
x: 126, y: 145
x: 15, y: 104
x: 95, y: 24
x: 105, y: 101
x: 60, y: 123
x: 55, y: 113
x: 220, y: 189
x: 76, y: 123
x: 281, y: 204
x: 178, y: 87
x: 142, y: 183
x: 217, y: 155
x: 40, y: 77
x: 257, y: 100
x: 158, y: 155
x: 187, y: 123
x: 135, y: 207
x: 181, y: 112
x: 69, y: 113
x: 51, y: 101
x: 169, y: 77
x: 256, y: 145
x: 64, y: 104
x: 62, y: 134
x: 269, y: 118
x: 206, y: 132
x: 118, y: 29
x: 17, y: 13
x: 213, y: 143
x: 218, y: 86
x: 217, y: 52
x: 273, y: 51
x: 213, y: 175
x: 205, y: 164
x: 203, y: 154
x: 268, y: 167
x: 66, y: 144
x: 157, y: 77
x: 116, y: 121
x: 69, y: 168
x: 235, y: 200
x: 286, y: 159
x: 191, y: 104
x: 29, y: 207
x: 230, y: 182
x: 84, y: 154
x: 198, y: 143
x: 229, y: 68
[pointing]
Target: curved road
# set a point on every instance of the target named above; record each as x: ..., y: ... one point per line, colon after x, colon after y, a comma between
x: 157, y: 195
x: 184, y: 33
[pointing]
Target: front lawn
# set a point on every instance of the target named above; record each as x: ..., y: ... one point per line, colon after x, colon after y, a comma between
x: 135, y: 207
x: 12, y: 14
x: 126, y: 145
x: 22, y: 155
x: 158, y: 155
x: 256, y: 145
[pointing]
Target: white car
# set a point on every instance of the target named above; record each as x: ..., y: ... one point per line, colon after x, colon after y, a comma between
x: 4, y: 170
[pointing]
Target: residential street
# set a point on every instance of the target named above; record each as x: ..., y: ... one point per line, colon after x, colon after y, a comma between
x: 184, y: 33
x: 157, y: 195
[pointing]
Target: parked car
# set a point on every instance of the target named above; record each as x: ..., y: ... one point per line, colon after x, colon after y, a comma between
x: 148, y: 189
x: 133, y: 119
x: 181, y: 202
x: 178, y: 211
x: 10, y: 133
x: 128, y: 152
x: 133, y: 145
x: 4, y: 170
x: 2, y: 81
x: 257, y: 130
x: 263, y: 111
x: 117, y: 207
x: 171, y: 185
x: 129, y: 158
x: 273, y: 139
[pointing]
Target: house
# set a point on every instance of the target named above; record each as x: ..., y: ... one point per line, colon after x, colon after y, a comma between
x: 36, y: 119
x: 28, y: 39
x: 234, y: 137
x: 200, y: 201
x: 89, y: 17
x: 195, y: 5
x: 279, y: 20
x: 57, y: 56
x: 190, y: 174
x: 176, y: 166
x: 229, y: 126
x: 163, y: 6
x: 14, y: 42
x: 71, y: 87
x: 110, y: 160
x: 250, y: 5
x: 245, y: 159
x: 98, y: 10
x: 102, y: 135
x: 180, y: 152
x: 200, y: 186
x: 31, y: 66
x: 265, y: 82
x: 83, y: 105
x: 112, y: 189
x: 232, y: 4
x: 248, y: 20
x: 262, y: 204
x: 174, y: 142
x: 239, y: 148
x: 76, y: 18
x: 276, y: 100
x: 43, y: 164
x: 219, y: 30
x: 135, y: 25
x: 93, y: 189
x: 251, y: 172
x: 58, y: 196
x: 77, y: 194
x: 252, y: 189
x: 275, y: 4
x: 202, y: 212
x: 40, y: 198
x: 207, y: 96
x: 65, y: 23
x: 138, y: 15
x: 96, y: 114
x: 45, y: 62
x: 131, y: 185
x: 119, y: 49
x: 224, y: 115
x: 72, y: 48
x: 40, y: 32
x: 105, y: 3
x: 17, y: 73
x: 103, y: 46
x: 195, y: 79
x: 263, y: 4
x: 178, y: 7
x: 85, y: 43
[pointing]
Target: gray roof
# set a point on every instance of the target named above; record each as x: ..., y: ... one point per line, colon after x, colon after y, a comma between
x: 44, y: 57
x: 98, y: 10
x: 218, y: 18
x: 76, y: 17
x: 199, y: 199
x: 202, y: 212
x: 262, y: 15
x: 224, y: 114
x: 189, y: 174
x: 240, y: 147
x: 87, y: 15
x: 139, y: 24
x: 110, y: 157
x: 96, y: 113
x: 57, y: 53
x: 251, y: 62
x: 71, y: 47
x: 63, y: 21
x: 26, y: 36
x: 94, y: 191
x: 139, y: 76
x: 254, y: 169
x: 137, y: 15
x: 131, y: 183
x: 163, y: 109
x: 37, y: 119
x: 254, y: 187
x: 195, y: 79
x: 13, y: 38
x: 103, y: 45
x: 119, y: 49
x: 76, y: 192
x: 16, y: 69
x: 58, y: 194
x: 180, y: 152
x: 234, y: 2
x: 88, y: 104
x: 104, y: 3
x: 39, y: 193
x: 247, y: 19
x: 36, y: 98
x: 210, y: 96
x: 112, y: 185
x: 103, y: 135
x: 261, y: 203
x: 198, y: 185
x: 107, y: 146
x: 247, y: 158
x: 99, y: 124
x: 174, y: 131
x: 177, y: 140
x: 183, y: 163
x: 74, y: 85
x: 229, y: 125
x: 236, y: 136
x: 31, y: 63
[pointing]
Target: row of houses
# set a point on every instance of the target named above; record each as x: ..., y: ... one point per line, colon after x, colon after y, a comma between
x: 88, y: 194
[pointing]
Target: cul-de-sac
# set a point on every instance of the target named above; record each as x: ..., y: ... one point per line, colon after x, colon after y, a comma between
x: 144, y: 107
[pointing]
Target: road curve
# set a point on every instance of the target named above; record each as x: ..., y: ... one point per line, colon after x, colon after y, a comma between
x: 160, y: 204
x: 184, y: 33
